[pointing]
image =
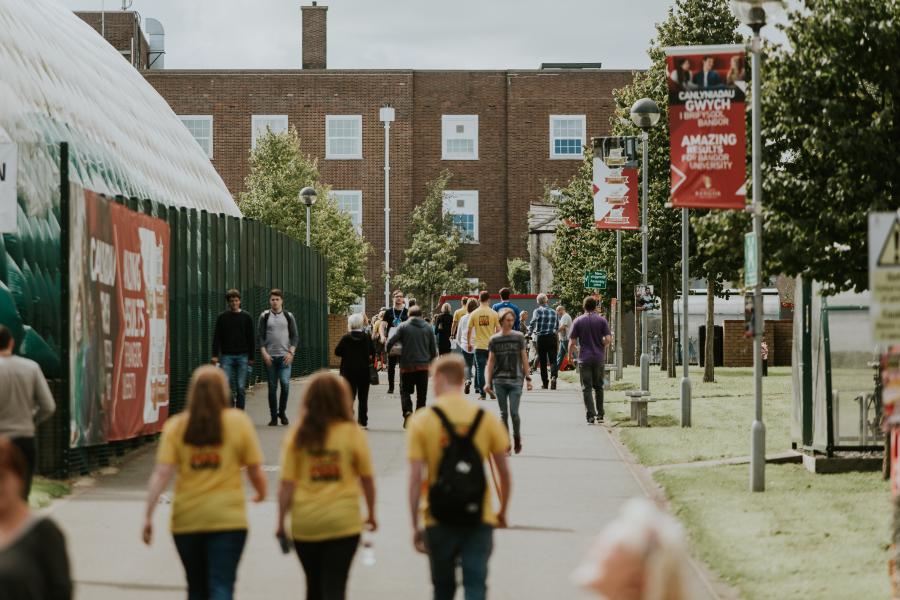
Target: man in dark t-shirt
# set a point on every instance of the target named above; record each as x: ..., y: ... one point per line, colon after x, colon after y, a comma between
x: 591, y: 333
x: 233, y: 346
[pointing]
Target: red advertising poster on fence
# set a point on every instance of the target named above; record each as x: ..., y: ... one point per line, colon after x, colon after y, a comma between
x: 615, y: 183
x: 119, y: 321
x: 707, y: 90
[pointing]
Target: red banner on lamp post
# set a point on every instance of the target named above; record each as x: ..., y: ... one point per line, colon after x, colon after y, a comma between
x: 615, y: 183
x: 707, y: 130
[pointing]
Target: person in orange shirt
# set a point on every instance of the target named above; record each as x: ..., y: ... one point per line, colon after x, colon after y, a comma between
x: 207, y: 446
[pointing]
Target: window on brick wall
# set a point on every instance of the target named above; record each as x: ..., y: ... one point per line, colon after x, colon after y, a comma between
x: 350, y: 201
x: 343, y: 136
x: 459, y: 136
x: 259, y: 123
x: 200, y: 127
x: 358, y: 307
x: 567, y: 136
x: 463, y: 206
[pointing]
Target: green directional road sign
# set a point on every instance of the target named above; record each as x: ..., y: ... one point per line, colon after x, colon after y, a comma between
x: 751, y: 268
x: 595, y: 280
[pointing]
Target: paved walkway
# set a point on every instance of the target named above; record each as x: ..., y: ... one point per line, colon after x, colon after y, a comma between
x: 569, y: 482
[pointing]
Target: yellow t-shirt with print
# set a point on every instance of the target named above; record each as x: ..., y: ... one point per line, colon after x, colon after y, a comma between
x: 485, y: 322
x: 459, y: 314
x: 427, y: 438
x: 209, y: 493
x: 326, y: 502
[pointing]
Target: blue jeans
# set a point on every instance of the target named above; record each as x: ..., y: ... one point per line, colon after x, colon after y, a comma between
x: 210, y: 562
x: 481, y: 358
x: 470, y: 547
x: 235, y: 367
x: 278, y: 373
x: 563, y: 352
x: 469, y: 357
x: 508, y: 396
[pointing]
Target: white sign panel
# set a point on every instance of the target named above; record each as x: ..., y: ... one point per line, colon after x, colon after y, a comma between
x: 884, y: 276
x: 8, y: 162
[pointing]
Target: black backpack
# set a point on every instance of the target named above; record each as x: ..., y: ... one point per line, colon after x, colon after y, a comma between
x: 457, y: 495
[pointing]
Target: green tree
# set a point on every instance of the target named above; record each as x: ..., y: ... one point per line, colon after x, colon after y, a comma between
x: 830, y: 125
x: 432, y: 264
x: 518, y: 274
x: 278, y: 171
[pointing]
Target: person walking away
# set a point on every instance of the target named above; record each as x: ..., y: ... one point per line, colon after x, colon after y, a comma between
x: 544, y: 325
x: 483, y: 323
x: 591, y: 332
x: 233, y: 346
x: 459, y: 314
x: 393, y: 318
x: 418, y: 350
x: 357, y: 352
x: 565, y: 325
x: 443, y: 327
x: 505, y: 303
x: 447, y: 446
x: 277, y: 339
x: 206, y: 447
x: 377, y: 340
x: 325, y: 468
x: 462, y: 342
x: 507, y: 370
x: 26, y: 402
x: 33, y: 558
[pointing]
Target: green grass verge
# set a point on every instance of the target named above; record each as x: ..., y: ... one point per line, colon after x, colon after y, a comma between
x: 44, y: 491
x: 806, y: 536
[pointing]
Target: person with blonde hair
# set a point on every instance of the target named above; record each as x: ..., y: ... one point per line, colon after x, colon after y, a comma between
x: 325, y: 467
x: 357, y: 352
x: 207, y: 446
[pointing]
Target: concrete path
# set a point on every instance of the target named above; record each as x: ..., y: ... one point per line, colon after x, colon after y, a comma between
x: 569, y: 482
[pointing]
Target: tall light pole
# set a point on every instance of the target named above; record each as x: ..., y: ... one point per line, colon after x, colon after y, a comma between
x: 308, y: 197
x: 685, y: 295
x: 386, y: 115
x: 753, y: 14
x: 644, y: 114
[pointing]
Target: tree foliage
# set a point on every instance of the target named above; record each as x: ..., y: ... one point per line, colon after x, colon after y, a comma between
x: 433, y: 264
x: 278, y: 171
x: 518, y: 274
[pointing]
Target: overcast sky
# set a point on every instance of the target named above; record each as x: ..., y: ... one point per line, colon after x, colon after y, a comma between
x: 400, y: 34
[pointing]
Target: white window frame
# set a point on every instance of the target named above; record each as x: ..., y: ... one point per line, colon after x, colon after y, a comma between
x: 448, y: 132
x: 208, y: 119
x: 329, y: 155
x: 553, y: 138
x: 257, y: 121
x: 357, y: 213
x: 450, y: 206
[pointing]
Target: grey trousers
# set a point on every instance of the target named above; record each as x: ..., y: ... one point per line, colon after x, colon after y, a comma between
x: 591, y: 376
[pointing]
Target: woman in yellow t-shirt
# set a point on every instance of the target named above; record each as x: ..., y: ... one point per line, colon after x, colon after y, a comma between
x: 325, y: 466
x: 207, y: 446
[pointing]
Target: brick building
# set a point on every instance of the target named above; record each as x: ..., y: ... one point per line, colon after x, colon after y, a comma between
x: 502, y: 134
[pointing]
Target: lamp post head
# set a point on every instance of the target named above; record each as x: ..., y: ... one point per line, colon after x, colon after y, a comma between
x: 752, y: 13
x: 645, y: 113
x: 308, y: 196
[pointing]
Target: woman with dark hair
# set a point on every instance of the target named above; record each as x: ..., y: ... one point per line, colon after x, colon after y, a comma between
x: 683, y: 75
x: 207, y: 445
x: 443, y: 326
x: 357, y: 351
x: 325, y: 467
x: 33, y: 560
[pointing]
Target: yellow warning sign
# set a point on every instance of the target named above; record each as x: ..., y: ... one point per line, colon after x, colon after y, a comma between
x: 890, y: 252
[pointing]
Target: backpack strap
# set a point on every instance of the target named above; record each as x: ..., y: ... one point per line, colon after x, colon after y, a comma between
x: 472, y: 428
x: 445, y: 421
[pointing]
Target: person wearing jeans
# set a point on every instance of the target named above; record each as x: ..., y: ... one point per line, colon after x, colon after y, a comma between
x: 483, y: 323
x: 472, y: 547
x: 565, y: 325
x: 210, y: 561
x: 592, y: 334
x: 277, y: 339
x: 233, y: 346
x: 507, y: 370
x: 462, y: 341
x: 418, y: 349
x: 544, y: 325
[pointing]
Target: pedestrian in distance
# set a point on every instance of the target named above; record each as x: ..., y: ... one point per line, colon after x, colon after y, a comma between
x: 418, y: 349
x: 393, y: 318
x: 505, y: 293
x: 233, y: 346
x: 447, y: 447
x: 483, y: 323
x: 507, y: 371
x: 206, y: 447
x: 591, y: 333
x: 325, y: 468
x: 378, y: 340
x: 523, y: 322
x: 459, y: 314
x: 357, y: 353
x: 462, y: 342
x: 565, y: 326
x: 277, y: 338
x: 26, y: 402
x: 34, y: 563
x: 544, y: 326
x: 443, y: 327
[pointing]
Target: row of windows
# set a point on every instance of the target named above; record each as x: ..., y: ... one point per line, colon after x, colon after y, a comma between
x: 343, y: 134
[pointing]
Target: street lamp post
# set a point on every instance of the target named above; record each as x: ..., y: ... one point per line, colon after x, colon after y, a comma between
x: 753, y: 14
x: 308, y: 197
x: 387, y: 115
x: 644, y: 114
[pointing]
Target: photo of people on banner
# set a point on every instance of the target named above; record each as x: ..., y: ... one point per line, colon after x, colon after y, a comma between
x: 644, y: 298
x: 615, y: 183
x: 707, y: 91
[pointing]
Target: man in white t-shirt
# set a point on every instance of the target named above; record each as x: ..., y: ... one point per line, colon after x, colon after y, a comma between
x: 565, y: 326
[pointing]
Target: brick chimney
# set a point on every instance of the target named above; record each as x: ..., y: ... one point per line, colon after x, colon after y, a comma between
x: 314, y: 36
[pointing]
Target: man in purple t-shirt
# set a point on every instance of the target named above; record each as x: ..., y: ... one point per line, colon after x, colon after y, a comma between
x: 591, y: 332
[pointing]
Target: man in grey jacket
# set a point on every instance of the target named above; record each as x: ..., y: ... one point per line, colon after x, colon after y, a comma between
x: 277, y: 338
x: 418, y: 349
x: 26, y: 401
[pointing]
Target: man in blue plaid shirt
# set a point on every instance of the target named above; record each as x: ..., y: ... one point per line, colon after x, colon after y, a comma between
x: 544, y: 324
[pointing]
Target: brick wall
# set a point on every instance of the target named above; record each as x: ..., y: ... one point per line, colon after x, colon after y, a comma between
x: 119, y: 30
x: 784, y: 341
x: 738, y: 350
x: 315, y: 35
x: 337, y: 327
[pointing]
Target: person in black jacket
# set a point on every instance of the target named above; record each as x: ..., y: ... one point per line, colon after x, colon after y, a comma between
x: 443, y: 326
x: 357, y: 351
x: 418, y: 349
x: 233, y: 346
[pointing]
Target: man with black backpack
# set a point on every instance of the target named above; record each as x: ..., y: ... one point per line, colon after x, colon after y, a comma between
x: 447, y: 447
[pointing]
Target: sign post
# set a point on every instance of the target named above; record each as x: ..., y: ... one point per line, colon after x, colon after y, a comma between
x: 884, y: 277
x: 751, y: 266
x: 595, y: 280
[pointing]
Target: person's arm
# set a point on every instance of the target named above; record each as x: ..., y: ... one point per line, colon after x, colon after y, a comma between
x: 339, y: 349
x: 432, y: 347
x: 416, y: 467
x: 573, y: 339
x: 295, y: 335
x: 43, y: 399
x: 258, y: 481
x: 216, y: 341
x: 368, y: 486
x: 261, y: 340
x: 502, y: 465
x: 371, y: 348
x: 454, y: 326
x: 526, y: 368
x: 469, y: 333
x: 489, y: 372
x: 285, y: 497
x: 56, y: 561
x: 160, y: 478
